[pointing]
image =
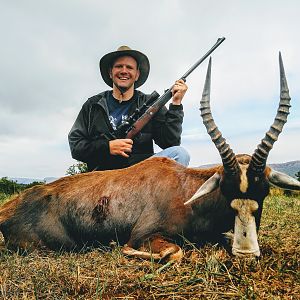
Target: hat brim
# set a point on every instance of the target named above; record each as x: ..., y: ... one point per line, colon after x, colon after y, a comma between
x: 106, y: 61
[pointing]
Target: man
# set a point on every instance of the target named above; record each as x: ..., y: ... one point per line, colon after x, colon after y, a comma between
x: 125, y: 70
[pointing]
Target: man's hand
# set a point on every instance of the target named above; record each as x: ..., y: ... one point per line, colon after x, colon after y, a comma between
x: 178, y: 91
x: 120, y: 147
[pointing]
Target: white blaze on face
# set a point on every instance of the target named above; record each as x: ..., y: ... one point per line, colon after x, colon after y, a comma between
x: 244, y: 178
x: 245, y: 235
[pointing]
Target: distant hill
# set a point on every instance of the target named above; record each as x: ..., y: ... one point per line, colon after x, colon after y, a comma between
x: 30, y: 180
x: 290, y: 168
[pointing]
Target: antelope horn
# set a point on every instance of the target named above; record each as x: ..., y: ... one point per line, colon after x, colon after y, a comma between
x: 259, y: 158
x: 228, y: 157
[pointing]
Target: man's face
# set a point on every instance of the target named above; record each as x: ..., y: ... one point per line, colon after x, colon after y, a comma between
x: 124, y: 72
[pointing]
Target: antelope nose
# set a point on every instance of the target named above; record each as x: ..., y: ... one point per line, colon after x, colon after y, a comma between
x: 244, y: 253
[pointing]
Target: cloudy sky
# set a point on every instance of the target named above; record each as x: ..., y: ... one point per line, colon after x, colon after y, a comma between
x: 49, y: 66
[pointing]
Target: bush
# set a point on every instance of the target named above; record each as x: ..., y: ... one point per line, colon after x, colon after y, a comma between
x: 3, y: 197
x: 77, y: 168
x: 298, y: 175
x: 9, y: 187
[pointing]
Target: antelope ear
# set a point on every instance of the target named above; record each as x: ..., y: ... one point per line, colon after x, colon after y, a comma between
x: 283, y: 181
x: 209, y: 185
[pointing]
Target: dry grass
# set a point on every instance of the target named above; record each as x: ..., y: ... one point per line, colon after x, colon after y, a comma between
x: 206, y: 273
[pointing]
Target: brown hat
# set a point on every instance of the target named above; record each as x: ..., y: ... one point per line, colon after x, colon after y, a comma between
x: 107, y: 60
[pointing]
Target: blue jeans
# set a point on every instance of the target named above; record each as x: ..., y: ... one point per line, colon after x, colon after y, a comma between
x: 177, y: 153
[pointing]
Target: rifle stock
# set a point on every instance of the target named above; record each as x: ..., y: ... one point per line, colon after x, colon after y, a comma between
x: 138, y: 125
x: 148, y: 115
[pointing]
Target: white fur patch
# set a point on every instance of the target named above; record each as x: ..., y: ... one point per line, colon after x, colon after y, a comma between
x: 244, y: 179
x: 245, y: 235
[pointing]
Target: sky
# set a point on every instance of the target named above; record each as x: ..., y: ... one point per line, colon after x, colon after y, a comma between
x: 49, y: 58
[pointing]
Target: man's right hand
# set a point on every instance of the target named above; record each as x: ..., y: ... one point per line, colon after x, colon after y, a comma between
x: 120, y: 147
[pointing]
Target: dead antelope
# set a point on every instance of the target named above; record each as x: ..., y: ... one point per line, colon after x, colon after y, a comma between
x: 147, y: 206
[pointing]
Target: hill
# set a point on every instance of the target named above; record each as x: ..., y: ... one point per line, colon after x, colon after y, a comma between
x: 22, y: 180
x: 290, y: 168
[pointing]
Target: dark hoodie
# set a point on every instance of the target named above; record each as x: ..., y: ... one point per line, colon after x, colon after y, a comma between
x: 88, y: 144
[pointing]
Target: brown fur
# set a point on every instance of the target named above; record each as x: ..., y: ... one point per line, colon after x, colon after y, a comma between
x: 8, y: 209
x: 142, y: 203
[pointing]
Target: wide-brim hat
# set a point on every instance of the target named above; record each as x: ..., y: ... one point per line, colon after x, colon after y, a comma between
x: 107, y: 60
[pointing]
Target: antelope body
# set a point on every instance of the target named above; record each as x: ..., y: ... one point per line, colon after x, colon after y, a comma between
x: 147, y: 206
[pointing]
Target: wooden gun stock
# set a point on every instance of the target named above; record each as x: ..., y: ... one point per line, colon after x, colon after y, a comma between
x: 148, y: 115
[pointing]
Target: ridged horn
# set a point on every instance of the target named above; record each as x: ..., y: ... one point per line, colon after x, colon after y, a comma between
x: 259, y: 158
x: 228, y: 157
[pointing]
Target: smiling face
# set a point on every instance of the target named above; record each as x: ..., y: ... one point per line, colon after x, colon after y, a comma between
x: 124, y: 72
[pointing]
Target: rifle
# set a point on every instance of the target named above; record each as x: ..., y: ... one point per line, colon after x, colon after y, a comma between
x: 135, y: 123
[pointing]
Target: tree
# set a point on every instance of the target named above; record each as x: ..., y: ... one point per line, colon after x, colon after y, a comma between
x: 9, y: 187
x: 298, y: 175
x: 77, y: 168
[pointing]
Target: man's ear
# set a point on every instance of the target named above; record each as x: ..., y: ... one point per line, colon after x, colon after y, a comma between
x: 110, y: 75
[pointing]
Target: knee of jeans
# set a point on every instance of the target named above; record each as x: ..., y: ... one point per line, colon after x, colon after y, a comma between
x: 178, y: 153
x: 183, y: 156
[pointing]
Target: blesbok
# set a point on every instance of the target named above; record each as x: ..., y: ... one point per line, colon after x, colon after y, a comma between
x: 150, y: 204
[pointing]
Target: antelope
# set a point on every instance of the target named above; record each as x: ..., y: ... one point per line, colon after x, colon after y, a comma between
x: 146, y: 207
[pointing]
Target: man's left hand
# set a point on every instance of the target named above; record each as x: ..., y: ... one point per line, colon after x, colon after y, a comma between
x: 178, y: 91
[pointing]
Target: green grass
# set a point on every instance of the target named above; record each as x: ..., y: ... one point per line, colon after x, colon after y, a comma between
x: 206, y: 273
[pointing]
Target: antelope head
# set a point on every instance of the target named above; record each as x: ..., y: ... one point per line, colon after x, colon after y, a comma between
x: 244, y: 180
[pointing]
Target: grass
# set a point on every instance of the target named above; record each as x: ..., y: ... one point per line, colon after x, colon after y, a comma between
x: 206, y: 273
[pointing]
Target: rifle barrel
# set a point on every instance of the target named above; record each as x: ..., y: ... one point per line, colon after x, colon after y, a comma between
x: 137, y: 126
x: 216, y: 45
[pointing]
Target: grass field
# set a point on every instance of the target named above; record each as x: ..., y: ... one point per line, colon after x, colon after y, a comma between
x: 206, y: 273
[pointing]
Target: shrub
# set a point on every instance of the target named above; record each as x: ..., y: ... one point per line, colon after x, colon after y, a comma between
x: 10, y: 187
x: 77, y: 168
